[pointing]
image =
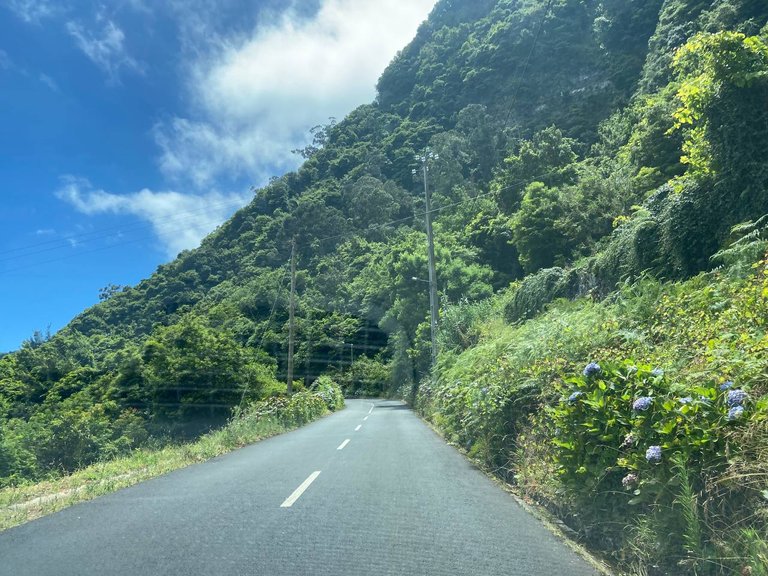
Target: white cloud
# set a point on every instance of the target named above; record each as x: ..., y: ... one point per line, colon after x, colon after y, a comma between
x: 197, y: 152
x: 105, y: 48
x: 255, y: 98
x: 251, y: 100
x: 33, y: 11
x: 180, y: 221
x: 139, y: 6
x: 48, y: 81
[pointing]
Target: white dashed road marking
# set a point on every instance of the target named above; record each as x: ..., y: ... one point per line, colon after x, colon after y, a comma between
x: 300, y: 490
x: 343, y: 444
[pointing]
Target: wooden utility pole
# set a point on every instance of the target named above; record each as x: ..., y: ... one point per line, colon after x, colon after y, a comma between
x: 291, y: 321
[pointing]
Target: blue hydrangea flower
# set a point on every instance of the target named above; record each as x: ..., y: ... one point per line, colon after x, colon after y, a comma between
x: 653, y: 454
x: 573, y: 397
x: 686, y: 400
x: 657, y: 372
x: 484, y: 390
x: 726, y: 386
x: 736, y: 398
x: 591, y: 369
x: 735, y: 413
x: 642, y: 403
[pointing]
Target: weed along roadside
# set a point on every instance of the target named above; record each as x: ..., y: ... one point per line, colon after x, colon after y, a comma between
x: 641, y: 422
x: 260, y: 420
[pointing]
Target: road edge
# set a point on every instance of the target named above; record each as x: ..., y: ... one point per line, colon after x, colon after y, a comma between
x: 544, y: 516
x: 20, y: 505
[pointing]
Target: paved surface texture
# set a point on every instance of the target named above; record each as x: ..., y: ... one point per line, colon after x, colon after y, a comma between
x: 395, y: 500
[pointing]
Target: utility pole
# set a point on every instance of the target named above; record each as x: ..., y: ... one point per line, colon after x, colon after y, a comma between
x: 425, y: 159
x: 291, y: 321
x: 307, y: 377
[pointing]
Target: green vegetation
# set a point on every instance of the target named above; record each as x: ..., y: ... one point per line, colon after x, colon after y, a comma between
x: 599, y: 196
x: 261, y: 420
x: 641, y: 420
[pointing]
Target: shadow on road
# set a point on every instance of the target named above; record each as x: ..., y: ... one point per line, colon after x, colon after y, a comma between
x: 392, y: 406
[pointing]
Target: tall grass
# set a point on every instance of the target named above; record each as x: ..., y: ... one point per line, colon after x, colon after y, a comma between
x: 497, y: 382
x: 259, y: 421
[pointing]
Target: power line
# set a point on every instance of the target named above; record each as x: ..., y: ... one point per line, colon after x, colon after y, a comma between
x: 70, y: 256
x: 475, y: 198
x: 513, y: 100
x: 11, y: 254
x: 117, y: 244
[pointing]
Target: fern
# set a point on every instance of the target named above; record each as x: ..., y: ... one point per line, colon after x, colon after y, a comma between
x: 749, y: 242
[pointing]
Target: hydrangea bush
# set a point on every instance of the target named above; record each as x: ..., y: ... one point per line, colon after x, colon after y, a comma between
x: 621, y: 431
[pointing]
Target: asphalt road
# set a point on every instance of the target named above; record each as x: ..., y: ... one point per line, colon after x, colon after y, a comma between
x: 394, y: 500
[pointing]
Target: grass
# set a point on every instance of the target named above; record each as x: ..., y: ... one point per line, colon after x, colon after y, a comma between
x: 24, y: 503
x: 492, y: 397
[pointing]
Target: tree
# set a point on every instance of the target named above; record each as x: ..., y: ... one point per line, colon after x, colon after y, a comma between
x: 535, y: 228
x: 320, y: 135
x: 110, y: 290
x: 371, y: 202
x: 723, y: 90
x: 197, y: 374
x: 548, y: 158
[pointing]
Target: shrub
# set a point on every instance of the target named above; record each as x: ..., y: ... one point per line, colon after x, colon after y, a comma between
x: 460, y: 322
x: 628, y: 441
x: 300, y: 408
x: 329, y: 391
x: 533, y: 293
x: 367, y: 377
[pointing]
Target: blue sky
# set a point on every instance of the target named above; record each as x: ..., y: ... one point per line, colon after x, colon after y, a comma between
x: 129, y: 129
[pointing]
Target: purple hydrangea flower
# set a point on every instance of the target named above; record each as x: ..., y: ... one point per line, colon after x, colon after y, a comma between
x: 591, y: 369
x: 657, y: 372
x: 726, y: 386
x: 653, y: 454
x: 642, y: 403
x: 735, y: 413
x: 736, y: 398
x: 629, y: 480
x: 573, y: 397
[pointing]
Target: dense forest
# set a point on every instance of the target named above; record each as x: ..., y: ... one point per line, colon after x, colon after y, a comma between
x: 597, y: 191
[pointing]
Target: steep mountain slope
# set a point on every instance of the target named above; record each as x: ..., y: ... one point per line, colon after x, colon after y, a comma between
x: 559, y: 131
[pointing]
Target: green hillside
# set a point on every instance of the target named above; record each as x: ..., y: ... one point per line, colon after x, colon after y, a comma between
x: 594, y: 154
